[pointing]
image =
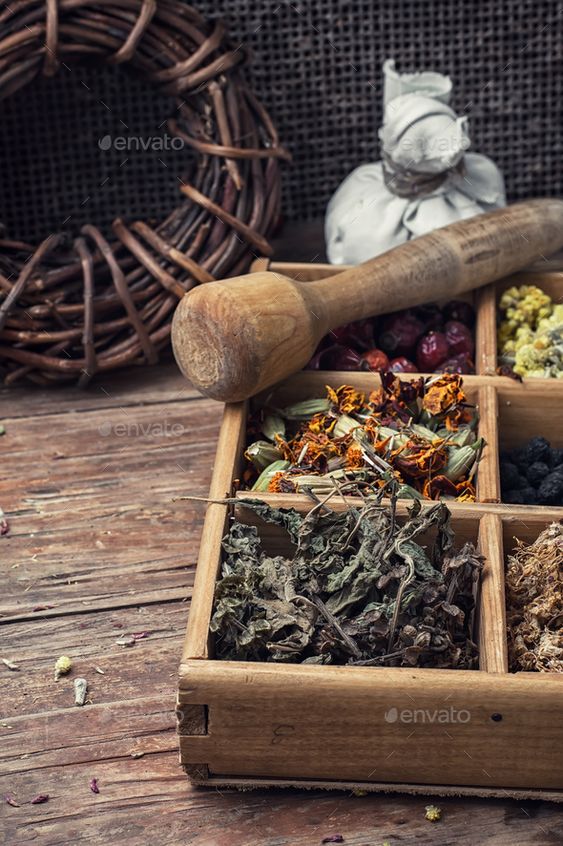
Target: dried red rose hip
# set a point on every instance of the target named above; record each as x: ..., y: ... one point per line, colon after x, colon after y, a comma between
x: 459, y: 310
x: 402, y: 365
x: 358, y: 334
x: 400, y: 333
x: 431, y: 351
x: 460, y: 338
x: 376, y: 359
x: 456, y: 364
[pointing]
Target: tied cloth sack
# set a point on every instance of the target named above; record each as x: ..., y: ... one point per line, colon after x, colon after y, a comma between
x: 425, y: 178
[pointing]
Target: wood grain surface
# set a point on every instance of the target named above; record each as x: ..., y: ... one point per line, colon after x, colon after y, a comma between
x: 96, y: 533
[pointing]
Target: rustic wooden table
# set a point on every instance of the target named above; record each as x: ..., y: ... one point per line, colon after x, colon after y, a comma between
x: 97, y: 550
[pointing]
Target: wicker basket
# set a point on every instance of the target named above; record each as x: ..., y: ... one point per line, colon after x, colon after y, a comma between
x: 183, y: 143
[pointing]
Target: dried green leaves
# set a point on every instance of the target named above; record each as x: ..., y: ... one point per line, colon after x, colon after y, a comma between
x: 359, y: 587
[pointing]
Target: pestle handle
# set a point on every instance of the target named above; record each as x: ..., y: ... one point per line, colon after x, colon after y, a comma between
x: 446, y: 262
x: 238, y: 336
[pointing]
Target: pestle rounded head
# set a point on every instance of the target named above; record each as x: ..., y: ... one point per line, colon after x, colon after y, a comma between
x: 233, y: 338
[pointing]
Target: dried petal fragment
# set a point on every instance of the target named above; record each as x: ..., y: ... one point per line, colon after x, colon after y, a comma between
x: 94, y: 785
x: 40, y: 798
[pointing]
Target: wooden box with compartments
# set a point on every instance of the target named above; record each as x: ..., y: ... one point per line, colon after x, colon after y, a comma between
x: 485, y: 731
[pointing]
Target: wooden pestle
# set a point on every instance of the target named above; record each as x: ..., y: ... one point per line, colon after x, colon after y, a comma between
x: 238, y: 336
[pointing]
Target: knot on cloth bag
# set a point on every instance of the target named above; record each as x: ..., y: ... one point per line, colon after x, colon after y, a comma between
x: 425, y: 177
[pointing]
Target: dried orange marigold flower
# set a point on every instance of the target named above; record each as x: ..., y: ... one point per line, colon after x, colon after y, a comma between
x: 346, y: 398
x: 280, y: 483
x: 444, y: 395
x: 354, y: 457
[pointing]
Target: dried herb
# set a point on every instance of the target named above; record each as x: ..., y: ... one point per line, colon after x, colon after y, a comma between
x: 534, y: 592
x: 418, y: 434
x: 10, y: 664
x: 9, y: 799
x: 333, y: 838
x: 63, y: 665
x: 433, y: 813
x: 359, y: 587
x: 530, y: 334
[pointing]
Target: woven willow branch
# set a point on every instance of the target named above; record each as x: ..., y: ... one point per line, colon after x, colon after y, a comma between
x: 72, y: 307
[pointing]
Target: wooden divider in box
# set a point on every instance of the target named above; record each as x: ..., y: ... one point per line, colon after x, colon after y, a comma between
x: 527, y: 410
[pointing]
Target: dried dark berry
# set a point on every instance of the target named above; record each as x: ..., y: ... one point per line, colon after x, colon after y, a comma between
x: 522, y: 481
x: 512, y: 497
x: 537, y: 449
x: 509, y: 475
x: 556, y: 458
x: 519, y: 458
x: 537, y: 472
x: 529, y: 496
x: 550, y: 492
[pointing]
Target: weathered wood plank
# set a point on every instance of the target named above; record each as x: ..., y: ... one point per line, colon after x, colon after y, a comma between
x: 90, y: 641
x: 91, y: 733
x: 107, y: 390
x: 90, y: 501
x: 116, y: 535
x: 145, y: 801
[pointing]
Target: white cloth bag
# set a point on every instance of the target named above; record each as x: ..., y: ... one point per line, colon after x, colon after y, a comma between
x: 425, y: 179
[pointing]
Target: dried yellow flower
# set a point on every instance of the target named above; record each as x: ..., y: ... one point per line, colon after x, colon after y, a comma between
x: 63, y: 665
x: 346, y: 398
x: 433, y: 813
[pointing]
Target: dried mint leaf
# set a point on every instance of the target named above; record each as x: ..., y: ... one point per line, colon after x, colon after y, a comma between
x: 360, y: 586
